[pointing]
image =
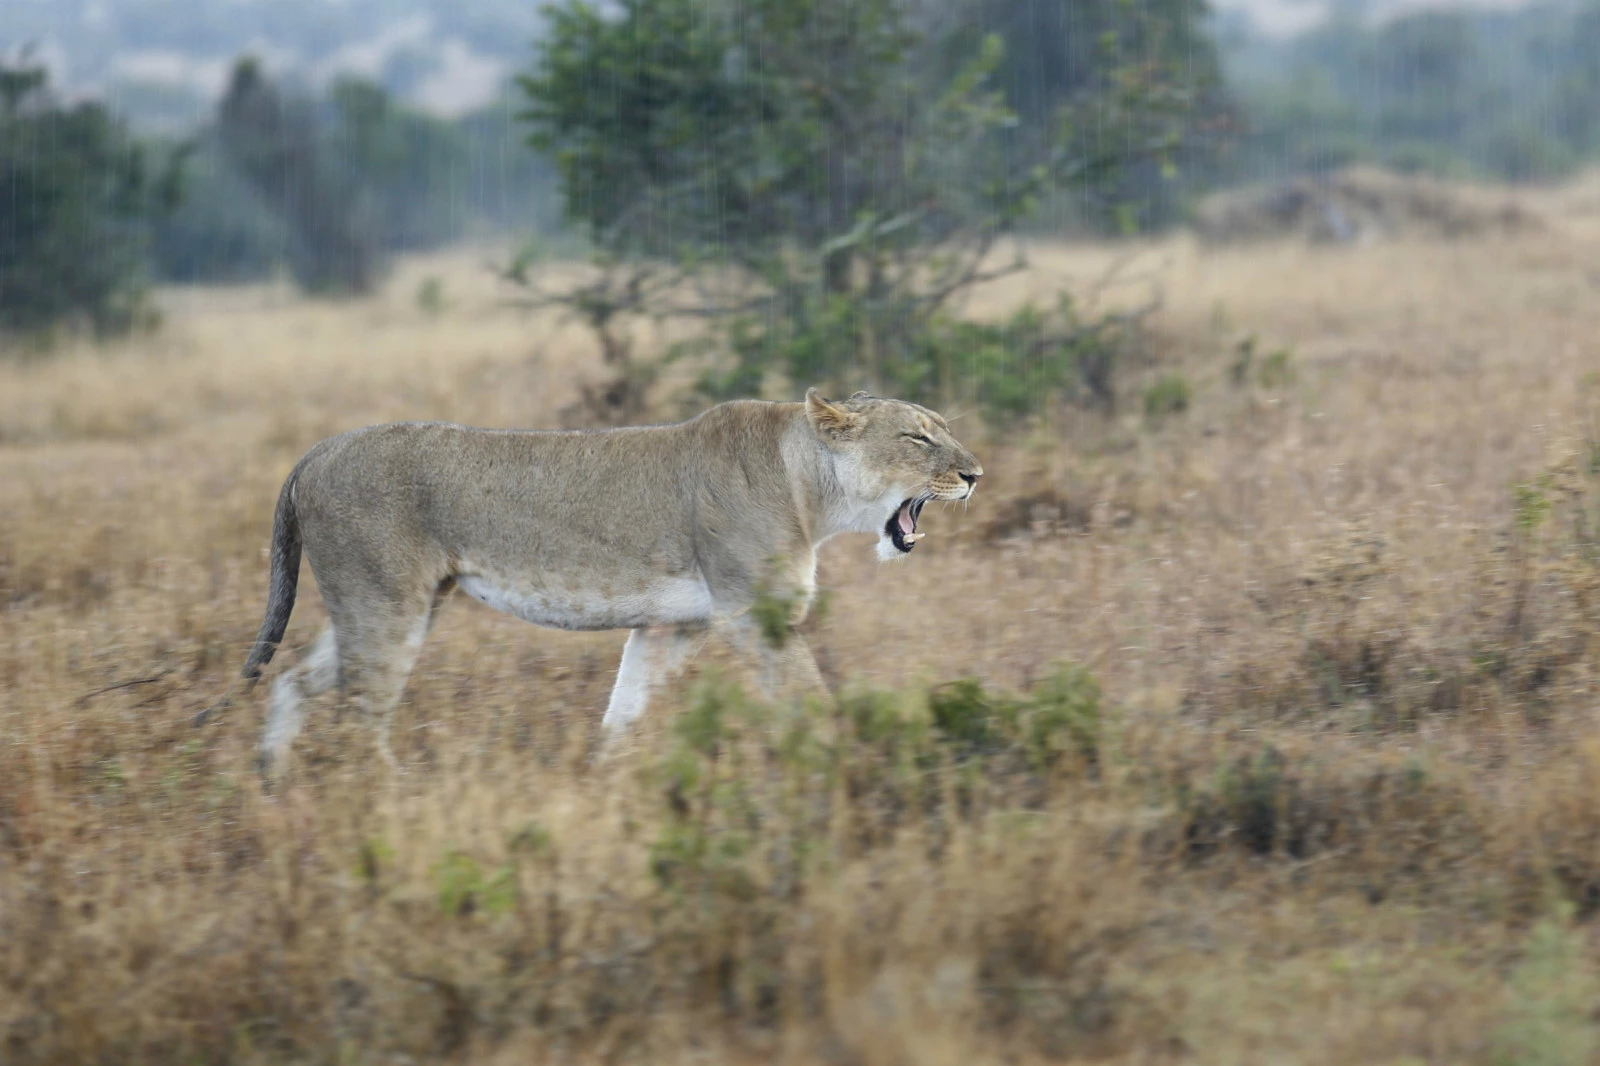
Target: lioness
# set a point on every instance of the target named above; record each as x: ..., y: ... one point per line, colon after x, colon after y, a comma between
x: 661, y: 530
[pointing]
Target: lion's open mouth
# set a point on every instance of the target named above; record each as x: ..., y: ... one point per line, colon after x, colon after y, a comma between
x: 902, y: 525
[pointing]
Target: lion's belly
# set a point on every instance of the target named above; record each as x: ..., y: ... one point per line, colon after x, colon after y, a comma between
x: 658, y: 601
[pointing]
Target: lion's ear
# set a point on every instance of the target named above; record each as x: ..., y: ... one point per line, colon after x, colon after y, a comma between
x: 828, y: 418
x: 863, y: 395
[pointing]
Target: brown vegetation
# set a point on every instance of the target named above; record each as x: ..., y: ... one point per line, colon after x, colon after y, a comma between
x: 1361, y: 204
x: 1324, y: 785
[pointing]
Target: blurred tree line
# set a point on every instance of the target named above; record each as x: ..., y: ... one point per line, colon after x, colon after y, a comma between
x: 1508, y: 94
x: 333, y: 186
x: 327, y: 187
x: 856, y: 165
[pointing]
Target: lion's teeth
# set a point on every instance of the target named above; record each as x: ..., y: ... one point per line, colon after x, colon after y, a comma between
x: 914, y: 537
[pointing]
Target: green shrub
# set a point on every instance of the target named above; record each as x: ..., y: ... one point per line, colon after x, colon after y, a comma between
x: 464, y: 886
x: 1009, y: 369
x: 1168, y: 395
x: 1277, y: 369
x: 699, y: 178
x: 430, y: 296
x: 969, y: 717
x: 1063, y: 716
x: 76, y: 196
x: 1550, y: 1019
x: 734, y: 767
x: 1060, y: 716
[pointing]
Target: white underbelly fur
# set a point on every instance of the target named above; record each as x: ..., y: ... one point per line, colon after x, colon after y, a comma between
x: 666, y: 601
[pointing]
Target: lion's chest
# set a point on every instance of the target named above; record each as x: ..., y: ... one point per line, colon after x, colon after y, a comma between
x: 614, y: 603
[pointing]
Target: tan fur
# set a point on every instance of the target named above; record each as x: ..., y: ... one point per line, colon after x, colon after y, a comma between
x: 665, y: 530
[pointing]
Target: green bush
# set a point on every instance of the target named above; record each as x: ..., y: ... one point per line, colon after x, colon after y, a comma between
x: 76, y: 196
x: 430, y: 295
x: 968, y: 717
x: 736, y: 764
x: 1167, y: 395
x: 1549, y: 1020
x: 1064, y: 717
x: 465, y: 887
x: 1277, y: 369
x: 1008, y: 369
x: 822, y: 180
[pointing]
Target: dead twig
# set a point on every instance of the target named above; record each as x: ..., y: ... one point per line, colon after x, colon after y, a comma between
x: 87, y: 696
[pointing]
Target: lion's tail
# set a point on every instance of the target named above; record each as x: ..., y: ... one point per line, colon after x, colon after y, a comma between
x: 285, y: 577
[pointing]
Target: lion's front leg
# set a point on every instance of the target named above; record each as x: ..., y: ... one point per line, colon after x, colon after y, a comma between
x: 650, y: 658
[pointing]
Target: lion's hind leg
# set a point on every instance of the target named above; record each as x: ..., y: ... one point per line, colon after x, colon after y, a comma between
x: 376, y: 659
x: 368, y: 655
x: 315, y: 673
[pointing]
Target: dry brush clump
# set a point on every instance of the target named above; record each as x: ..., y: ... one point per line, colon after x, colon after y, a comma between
x: 899, y: 877
x: 711, y: 884
x: 1363, y: 647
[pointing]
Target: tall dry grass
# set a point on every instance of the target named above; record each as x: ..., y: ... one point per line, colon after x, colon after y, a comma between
x: 1335, y: 800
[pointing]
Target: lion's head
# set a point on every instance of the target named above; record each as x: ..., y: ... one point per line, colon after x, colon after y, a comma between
x: 892, y: 457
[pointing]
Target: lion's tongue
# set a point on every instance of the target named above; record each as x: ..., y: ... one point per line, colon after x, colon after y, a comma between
x: 908, y: 525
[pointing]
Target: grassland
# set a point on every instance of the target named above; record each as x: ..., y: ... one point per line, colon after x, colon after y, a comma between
x: 1323, y: 785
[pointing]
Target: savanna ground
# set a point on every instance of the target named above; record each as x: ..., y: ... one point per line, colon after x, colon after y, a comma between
x: 1319, y: 783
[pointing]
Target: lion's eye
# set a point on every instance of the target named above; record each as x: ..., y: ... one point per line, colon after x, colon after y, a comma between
x: 920, y: 438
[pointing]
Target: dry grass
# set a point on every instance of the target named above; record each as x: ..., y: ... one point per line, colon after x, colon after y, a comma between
x: 1341, y: 805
